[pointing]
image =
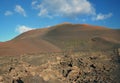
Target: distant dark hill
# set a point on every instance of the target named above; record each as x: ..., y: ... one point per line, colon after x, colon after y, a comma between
x: 62, y: 37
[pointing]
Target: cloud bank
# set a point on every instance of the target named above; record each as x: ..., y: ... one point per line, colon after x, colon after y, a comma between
x: 68, y: 8
x: 63, y: 7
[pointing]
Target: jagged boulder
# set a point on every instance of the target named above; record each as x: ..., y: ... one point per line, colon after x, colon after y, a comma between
x: 66, y: 71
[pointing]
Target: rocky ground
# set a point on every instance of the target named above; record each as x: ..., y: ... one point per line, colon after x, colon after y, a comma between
x: 78, y: 67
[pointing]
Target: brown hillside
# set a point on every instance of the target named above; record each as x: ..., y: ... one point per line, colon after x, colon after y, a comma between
x: 62, y: 37
x: 77, y: 37
x: 26, y: 43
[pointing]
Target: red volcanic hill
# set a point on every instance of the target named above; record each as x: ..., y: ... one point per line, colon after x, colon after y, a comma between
x: 26, y: 43
x: 62, y: 37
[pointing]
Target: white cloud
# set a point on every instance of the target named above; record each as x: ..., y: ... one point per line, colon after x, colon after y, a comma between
x: 64, y: 7
x: 102, y: 16
x: 43, y: 12
x: 68, y: 8
x: 34, y: 2
x: 23, y: 28
x: 20, y: 10
x: 8, y: 13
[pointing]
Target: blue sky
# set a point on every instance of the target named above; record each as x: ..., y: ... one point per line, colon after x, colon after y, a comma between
x: 18, y: 16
